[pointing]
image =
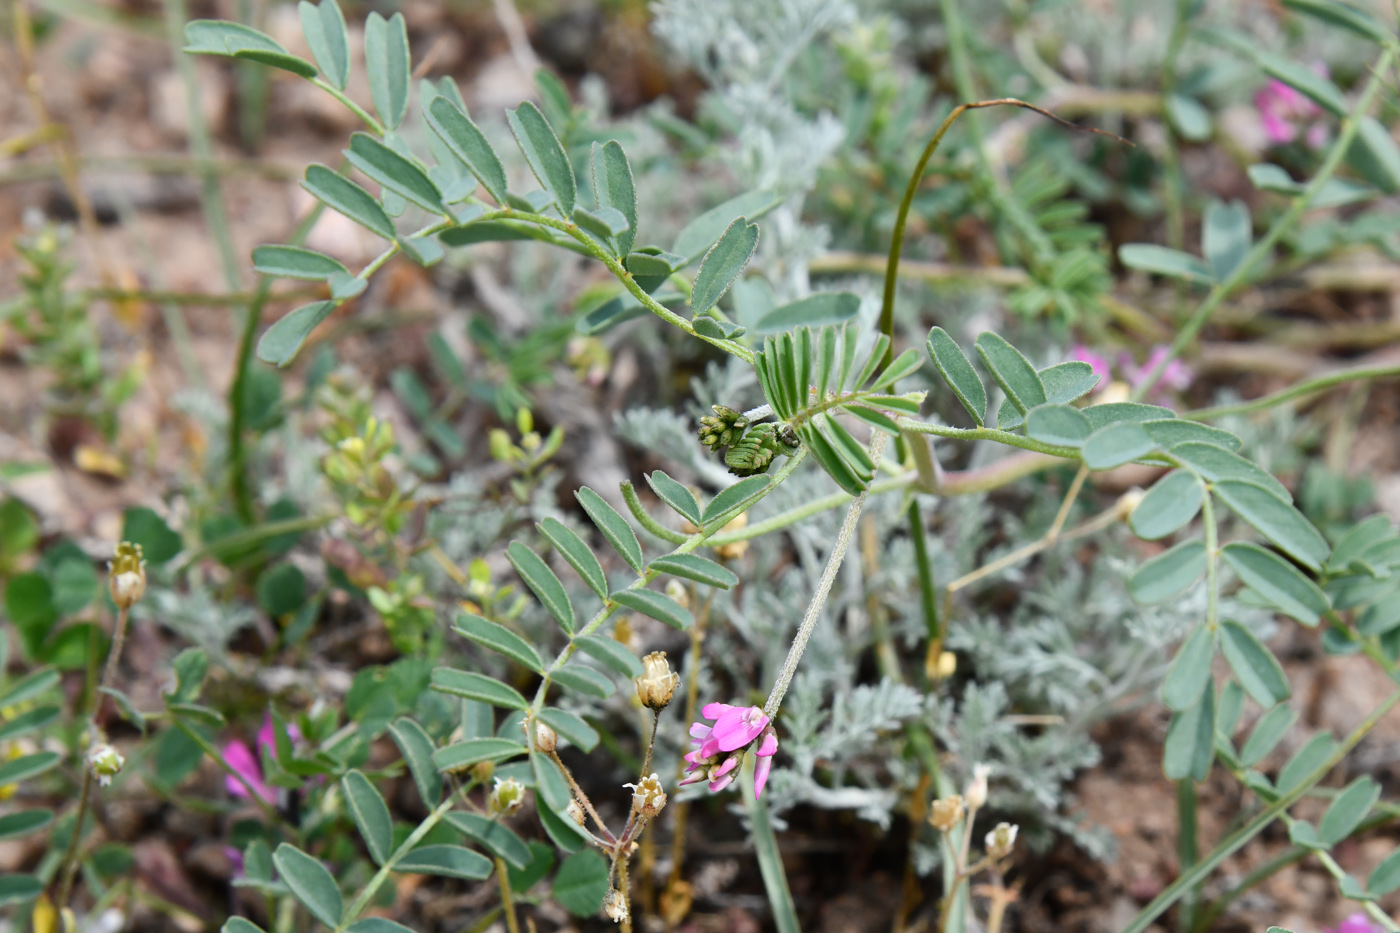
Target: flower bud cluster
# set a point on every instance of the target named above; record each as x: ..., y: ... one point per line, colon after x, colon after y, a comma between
x: 722, y: 428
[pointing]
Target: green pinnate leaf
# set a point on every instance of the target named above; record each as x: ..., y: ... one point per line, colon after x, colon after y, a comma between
x: 613, y: 187
x: 281, y: 342
x: 1012, y: 371
x: 388, y: 66
x: 1162, y: 260
x: 1227, y: 233
x: 1276, y: 520
x: 1167, y: 574
x: 477, y: 687
x: 1278, y: 581
x: 447, y: 861
x: 657, y: 606
x: 1190, y: 745
x: 219, y: 37
x: 611, y: 652
x: 697, y: 568
x: 417, y: 749
x: 698, y: 236
x: 24, y: 822
x: 543, y: 583
x: 957, y: 371
x: 1062, y: 425
x: 462, y: 755
x: 613, y: 526
x: 26, y: 767
x: 572, y: 728
x: 1116, y: 445
x: 296, y: 262
x: 722, y: 264
x: 1189, y: 673
x: 1255, y: 666
x: 1385, y: 877
x: 545, y: 155
x: 311, y: 883
x: 1348, y: 809
x: 370, y: 813
x: 492, y: 834
x: 323, y: 25
x: 498, y: 638
x: 581, y: 883
x: 344, y: 196
x: 469, y: 144
x: 677, y: 496
x: 585, y: 680
x: 579, y: 556
x: 732, y: 500
x: 1267, y: 733
x: 392, y: 171
x: 1168, y: 506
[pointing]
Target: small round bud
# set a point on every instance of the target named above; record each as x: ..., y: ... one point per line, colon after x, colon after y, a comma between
x: 506, y: 798
x: 126, y: 580
x: 615, y: 906
x: 658, y: 682
x: 1001, y: 840
x: 483, y: 770
x: 976, y: 793
x: 647, y: 796
x: 106, y: 762
x: 575, y: 812
x: 946, y: 813
x: 545, y: 738
x: 677, y: 591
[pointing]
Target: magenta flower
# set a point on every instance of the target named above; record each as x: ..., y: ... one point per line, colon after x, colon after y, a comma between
x: 242, y: 760
x: 1176, y: 376
x: 720, y: 747
x: 1356, y: 923
x: 1284, y: 112
x: 1098, y: 363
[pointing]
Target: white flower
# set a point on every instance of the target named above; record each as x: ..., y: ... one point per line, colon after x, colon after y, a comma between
x: 976, y: 794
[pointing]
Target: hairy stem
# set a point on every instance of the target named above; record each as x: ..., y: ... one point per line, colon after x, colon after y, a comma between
x: 814, y: 608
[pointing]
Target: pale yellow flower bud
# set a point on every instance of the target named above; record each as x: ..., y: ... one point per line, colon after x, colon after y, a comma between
x: 545, y: 738
x: 658, y: 682
x: 126, y: 580
x: 1001, y: 840
x: 106, y: 762
x: 946, y: 813
x: 506, y: 798
x: 976, y: 793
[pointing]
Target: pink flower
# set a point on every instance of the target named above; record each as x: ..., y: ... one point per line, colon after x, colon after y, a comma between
x: 1356, y: 923
x: 242, y: 760
x: 1098, y: 363
x: 1284, y: 111
x: 720, y: 747
x: 1176, y: 376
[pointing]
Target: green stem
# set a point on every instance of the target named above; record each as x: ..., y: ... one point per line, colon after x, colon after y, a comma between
x: 1265, y: 246
x: 1198, y: 872
x: 209, y: 749
x: 814, y: 608
x: 353, y: 107
x: 1188, y: 847
x: 770, y: 860
x: 1212, y: 558
x: 1306, y: 387
x: 352, y: 913
x: 616, y: 268
x: 928, y: 591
